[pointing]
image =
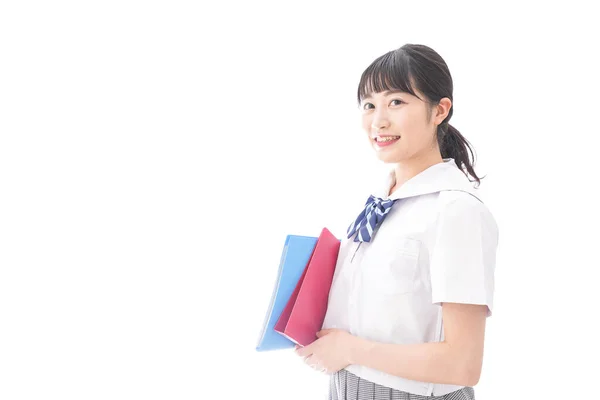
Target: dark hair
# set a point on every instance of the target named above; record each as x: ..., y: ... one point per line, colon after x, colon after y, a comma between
x: 421, y: 66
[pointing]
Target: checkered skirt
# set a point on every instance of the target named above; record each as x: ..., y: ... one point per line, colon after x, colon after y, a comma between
x: 345, y: 385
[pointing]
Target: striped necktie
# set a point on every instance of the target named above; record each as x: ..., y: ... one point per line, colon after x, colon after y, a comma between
x: 370, y: 218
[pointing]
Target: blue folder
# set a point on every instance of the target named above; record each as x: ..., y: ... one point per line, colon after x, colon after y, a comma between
x: 294, y: 258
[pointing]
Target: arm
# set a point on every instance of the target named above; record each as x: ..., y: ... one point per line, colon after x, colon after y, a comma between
x: 462, y: 276
x: 456, y: 361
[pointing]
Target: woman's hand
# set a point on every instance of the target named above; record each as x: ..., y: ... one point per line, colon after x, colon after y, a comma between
x: 330, y: 352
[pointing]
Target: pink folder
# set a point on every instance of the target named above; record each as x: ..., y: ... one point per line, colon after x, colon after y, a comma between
x: 305, y: 311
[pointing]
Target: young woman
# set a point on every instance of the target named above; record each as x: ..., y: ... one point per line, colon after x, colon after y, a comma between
x: 414, y: 281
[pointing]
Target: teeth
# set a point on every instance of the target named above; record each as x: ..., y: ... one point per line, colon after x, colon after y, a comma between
x: 387, y: 139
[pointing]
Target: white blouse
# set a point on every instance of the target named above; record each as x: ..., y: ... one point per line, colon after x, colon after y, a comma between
x: 437, y: 244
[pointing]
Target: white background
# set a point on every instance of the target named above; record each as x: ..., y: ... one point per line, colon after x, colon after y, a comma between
x: 153, y: 156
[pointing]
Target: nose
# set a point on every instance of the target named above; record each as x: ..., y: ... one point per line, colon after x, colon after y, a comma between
x: 380, y: 120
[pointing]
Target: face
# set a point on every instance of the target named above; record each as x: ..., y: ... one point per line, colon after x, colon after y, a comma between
x: 401, y: 126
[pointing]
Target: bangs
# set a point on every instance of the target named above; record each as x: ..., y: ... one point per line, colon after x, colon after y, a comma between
x: 390, y: 72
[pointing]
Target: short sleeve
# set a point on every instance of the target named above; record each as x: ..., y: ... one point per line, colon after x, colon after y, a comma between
x: 463, y: 256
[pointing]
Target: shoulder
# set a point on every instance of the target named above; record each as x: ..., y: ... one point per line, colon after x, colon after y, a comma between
x: 466, y: 209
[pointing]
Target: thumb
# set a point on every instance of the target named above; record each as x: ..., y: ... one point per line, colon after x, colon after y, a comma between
x: 323, y: 332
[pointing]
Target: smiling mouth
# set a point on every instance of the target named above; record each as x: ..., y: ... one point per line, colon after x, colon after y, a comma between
x: 384, y: 139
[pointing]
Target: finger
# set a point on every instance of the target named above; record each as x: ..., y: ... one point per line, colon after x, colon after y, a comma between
x: 317, y: 366
x: 324, y: 332
x: 304, y: 351
x: 311, y: 361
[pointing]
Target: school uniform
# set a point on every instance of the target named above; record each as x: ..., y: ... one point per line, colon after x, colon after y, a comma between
x: 436, y: 242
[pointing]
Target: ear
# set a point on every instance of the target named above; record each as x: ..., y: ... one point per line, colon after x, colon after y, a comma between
x: 441, y: 110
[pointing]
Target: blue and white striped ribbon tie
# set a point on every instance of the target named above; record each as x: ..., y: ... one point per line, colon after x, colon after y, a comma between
x: 370, y: 218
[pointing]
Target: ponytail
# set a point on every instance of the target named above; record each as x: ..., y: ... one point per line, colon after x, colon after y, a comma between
x: 454, y: 145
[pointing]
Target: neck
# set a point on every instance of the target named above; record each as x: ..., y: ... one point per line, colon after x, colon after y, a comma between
x: 407, y: 169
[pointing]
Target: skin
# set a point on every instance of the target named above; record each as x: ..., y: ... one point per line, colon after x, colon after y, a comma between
x: 405, y: 115
x: 458, y: 359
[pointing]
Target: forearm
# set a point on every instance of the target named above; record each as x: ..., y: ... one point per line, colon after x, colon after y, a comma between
x: 424, y: 362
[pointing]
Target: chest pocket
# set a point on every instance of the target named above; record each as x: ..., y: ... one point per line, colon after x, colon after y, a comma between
x: 392, y: 265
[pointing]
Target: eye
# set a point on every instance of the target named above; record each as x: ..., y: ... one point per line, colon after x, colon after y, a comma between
x: 366, y: 106
x: 398, y: 100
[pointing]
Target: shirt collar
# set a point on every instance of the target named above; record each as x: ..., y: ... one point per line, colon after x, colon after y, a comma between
x: 442, y: 176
